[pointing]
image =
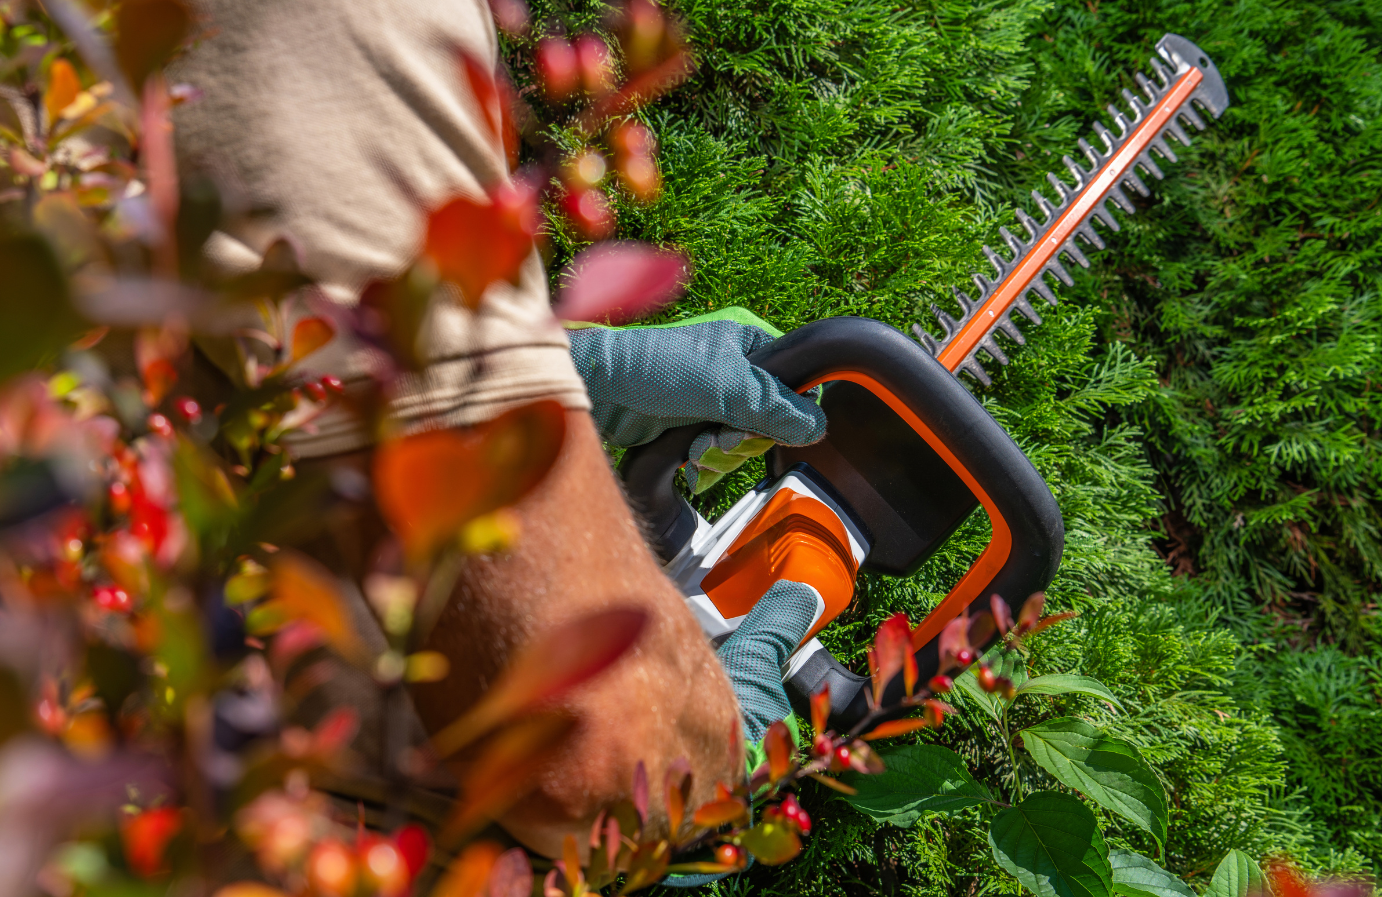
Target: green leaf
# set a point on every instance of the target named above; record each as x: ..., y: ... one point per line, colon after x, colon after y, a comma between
x: 1108, y: 770
x: 1067, y: 683
x: 920, y: 778
x: 1051, y: 843
x: 1237, y: 876
x: 1136, y: 876
x: 37, y: 319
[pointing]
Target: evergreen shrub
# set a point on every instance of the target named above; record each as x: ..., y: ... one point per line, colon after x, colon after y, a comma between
x: 1202, y: 402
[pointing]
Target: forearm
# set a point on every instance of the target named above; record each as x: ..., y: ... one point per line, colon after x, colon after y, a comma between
x: 581, y: 551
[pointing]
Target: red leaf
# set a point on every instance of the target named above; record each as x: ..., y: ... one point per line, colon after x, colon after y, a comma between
x: 555, y: 662
x: 429, y: 485
x: 619, y: 282
x: 1031, y: 612
x: 305, y: 591
x: 896, y: 727
x: 1002, y: 615
x: 309, y: 335
x: 470, y: 872
x: 777, y: 743
x: 146, y: 836
x: 512, y: 875
x: 954, y: 639
x: 720, y: 812
x: 476, y: 244
x: 892, y: 645
x: 414, y: 844
x: 1052, y: 619
x: 820, y: 709
x: 640, y: 791
x: 148, y: 33
x: 482, y: 86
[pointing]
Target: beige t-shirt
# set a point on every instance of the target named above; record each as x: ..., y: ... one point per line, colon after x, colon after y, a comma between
x: 338, y: 123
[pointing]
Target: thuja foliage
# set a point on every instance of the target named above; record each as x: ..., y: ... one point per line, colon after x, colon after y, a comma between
x: 1200, y: 402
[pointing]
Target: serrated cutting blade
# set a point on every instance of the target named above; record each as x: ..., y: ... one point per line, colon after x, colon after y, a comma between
x: 1184, y: 78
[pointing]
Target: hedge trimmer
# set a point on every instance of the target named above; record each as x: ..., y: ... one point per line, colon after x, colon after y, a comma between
x: 909, y: 452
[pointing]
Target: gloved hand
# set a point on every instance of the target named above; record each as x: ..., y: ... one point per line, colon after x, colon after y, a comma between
x: 755, y: 653
x: 644, y: 380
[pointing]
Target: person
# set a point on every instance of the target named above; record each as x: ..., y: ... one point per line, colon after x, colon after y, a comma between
x: 333, y: 124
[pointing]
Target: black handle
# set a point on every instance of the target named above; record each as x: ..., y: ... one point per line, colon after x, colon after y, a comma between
x: 649, y: 473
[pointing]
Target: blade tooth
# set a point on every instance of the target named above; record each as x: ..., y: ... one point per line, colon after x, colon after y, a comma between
x: 1190, y: 115
x: 1106, y: 216
x: 1163, y: 72
x: 1103, y: 133
x: 1175, y: 129
x: 948, y: 324
x: 1094, y: 156
x: 1024, y: 305
x: 1017, y: 246
x: 1048, y: 211
x: 1136, y: 182
x: 1145, y: 160
x: 982, y: 284
x: 1070, y: 249
x: 1091, y: 236
x: 1151, y: 90
x: 966, y: 303
x: 990, y: 345
x: 1120, y: 198
x: 971, y: 366
x: 1009, y: 328
x: 1079, y: 174
x: 1056, y: 268
x: 1163, y: 146
x: 927, y: 340
x: 1032, y: 226
x: 1120, y: 121
x: 1138, y: 107
x: 997, y: 262
x: 1061, y: 190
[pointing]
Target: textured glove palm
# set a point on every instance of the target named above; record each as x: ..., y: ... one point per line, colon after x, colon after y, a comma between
x: 644, y: 380
x: 755, y: 653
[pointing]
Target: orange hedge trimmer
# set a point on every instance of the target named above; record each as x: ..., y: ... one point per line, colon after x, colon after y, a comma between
x: 909, y: 452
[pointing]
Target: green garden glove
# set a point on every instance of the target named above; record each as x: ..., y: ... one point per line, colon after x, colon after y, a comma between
x: 644, y: 380
x: 756, y: 652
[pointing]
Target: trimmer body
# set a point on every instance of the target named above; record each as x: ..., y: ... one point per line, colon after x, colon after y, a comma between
x: 909, y: 453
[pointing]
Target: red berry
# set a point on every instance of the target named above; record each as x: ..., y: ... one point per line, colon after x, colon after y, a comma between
x: 841, y: 758
x: 795, y: 814
x: 823, y: 746
x: 965, y: 656
x: 316, y: 391
x: 941, y: 684
x: 729, y: 855
x: 333, y: 383
x: 1005, y: 687
x: 119, y: 495
x: 589, y: 214
x: 557, y: 69
x: 987, y: 680
x: 415, y: 845
x: 112, y: 598
x: 188, y: 409
x: 159, y: 424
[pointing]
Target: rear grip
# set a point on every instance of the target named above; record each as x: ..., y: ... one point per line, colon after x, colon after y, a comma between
x: 831, y: 346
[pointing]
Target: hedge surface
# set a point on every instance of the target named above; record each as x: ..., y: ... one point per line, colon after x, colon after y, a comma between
x: 1202, y: 402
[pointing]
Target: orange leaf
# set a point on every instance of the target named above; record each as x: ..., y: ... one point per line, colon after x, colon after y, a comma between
x: 304, y: 590
x: 647, y: 866
x: 148, y: 33
x: 429, y: 485
x: 571, y: 863
x: 146, y: 836
x: 309, y: 335
x: 505, y: 769
x: 1031, y: 611
x: 555, y: 662
x: 892, y: 644
x: 1051, y: 620
x: 63, y: 87
x: 720, y: 812
x: 777, y: 743
x: 469, y: 873
x: 820, y: 709
x: 835, y: 784
x: 678, y: 792
x: 771, y: 843
x: 248, y: 889
x: 475, y: 244
x: 896, y: 727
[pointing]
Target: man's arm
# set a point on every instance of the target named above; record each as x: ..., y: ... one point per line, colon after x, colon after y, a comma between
x: 581, y: 551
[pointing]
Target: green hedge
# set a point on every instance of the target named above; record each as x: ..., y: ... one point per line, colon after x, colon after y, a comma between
x: 1202, y: 402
